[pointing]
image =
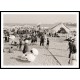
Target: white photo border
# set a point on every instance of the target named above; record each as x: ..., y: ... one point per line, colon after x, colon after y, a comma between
x: 51, y: 12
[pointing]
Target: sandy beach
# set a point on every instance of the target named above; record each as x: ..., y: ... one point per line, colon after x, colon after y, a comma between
x: 56, y: 54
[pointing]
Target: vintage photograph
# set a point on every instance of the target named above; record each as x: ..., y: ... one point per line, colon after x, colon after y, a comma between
x: 39, y: 39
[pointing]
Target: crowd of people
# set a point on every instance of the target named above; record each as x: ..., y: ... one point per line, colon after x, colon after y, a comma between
x: 24, y: 36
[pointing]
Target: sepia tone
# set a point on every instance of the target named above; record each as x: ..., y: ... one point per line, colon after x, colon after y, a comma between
x: 46, y: 38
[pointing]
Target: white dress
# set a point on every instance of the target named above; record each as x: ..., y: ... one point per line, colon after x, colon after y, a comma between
x: 30, y: 57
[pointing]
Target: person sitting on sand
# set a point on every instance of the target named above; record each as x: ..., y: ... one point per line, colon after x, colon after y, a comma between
x: 11, y: 50
x: 31, y: 56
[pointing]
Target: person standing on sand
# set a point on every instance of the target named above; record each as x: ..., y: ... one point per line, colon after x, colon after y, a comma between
x: 70, y: 48
x: 5, y: 38
x: 20, y: 44
x: 73, y: 53
x: 25, y: 48
x: 42, y: 40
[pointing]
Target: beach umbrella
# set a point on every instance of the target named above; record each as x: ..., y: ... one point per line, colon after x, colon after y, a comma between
x: 30, y: 57
x: 35, y: 51
x: 12, y: 37
x: 26, y: 41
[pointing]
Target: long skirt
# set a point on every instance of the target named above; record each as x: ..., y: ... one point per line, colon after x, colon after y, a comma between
x: 73, y: 60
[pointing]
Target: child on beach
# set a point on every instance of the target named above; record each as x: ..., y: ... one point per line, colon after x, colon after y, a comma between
x: 47, y: 43
x: 31, y: 56
x: 11, y: 50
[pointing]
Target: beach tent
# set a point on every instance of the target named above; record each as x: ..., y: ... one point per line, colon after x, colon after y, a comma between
x: 59, y: 26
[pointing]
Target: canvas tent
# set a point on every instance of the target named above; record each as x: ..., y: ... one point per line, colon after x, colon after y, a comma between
x: 59, y: 26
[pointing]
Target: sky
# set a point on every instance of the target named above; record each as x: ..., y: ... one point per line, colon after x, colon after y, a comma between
x: 39, y: 18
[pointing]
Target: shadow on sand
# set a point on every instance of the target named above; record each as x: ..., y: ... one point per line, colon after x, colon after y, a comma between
x: 20, y: 59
